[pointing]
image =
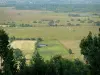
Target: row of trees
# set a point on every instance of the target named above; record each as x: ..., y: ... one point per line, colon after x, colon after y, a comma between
x: 13, y: 62
x: 13, y: 38
x: 51, y: 23
x: 55, y: 66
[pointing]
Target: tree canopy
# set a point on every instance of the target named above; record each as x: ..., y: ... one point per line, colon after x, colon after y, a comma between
x: 90, y: 48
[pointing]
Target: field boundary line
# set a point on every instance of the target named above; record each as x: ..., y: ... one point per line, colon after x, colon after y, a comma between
x: 62, y: 45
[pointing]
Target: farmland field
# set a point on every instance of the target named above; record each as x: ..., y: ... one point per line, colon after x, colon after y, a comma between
x: 10, y: 14
x: 74, y: 46
x: 53, y: 48
x: 27, y: 47
x: 49, y: 33
x: 66, y: 35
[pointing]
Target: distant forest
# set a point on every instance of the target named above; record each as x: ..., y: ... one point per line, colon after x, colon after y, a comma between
x: 58, y: 7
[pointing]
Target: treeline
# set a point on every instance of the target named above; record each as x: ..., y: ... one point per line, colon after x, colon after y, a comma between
x: 55, y: 66
x: 56, y: 7
x: 13, y: 38
x: 61, y: 7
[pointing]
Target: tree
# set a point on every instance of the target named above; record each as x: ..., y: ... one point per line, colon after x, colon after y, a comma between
x: 10, y: 66
x: 3, y: 44
x: 70, y: 51
x: 38, y: 64
x: 20, y: 59
x: 6, y: 54
x: 97, y: 23
x: 90, y: 48
x: 52, y: 23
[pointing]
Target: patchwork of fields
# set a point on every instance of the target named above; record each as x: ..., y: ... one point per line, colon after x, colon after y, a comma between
x: 41, y: 18
x: 59, y: 38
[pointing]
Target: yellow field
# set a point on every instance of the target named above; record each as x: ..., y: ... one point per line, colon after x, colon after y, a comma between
x: 74, y: 46
x: 26, y: 46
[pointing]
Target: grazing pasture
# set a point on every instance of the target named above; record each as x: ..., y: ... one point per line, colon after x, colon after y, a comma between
x: 50, y: 33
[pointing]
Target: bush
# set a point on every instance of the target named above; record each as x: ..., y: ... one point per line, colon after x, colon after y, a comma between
x: 70, y: 51
x: 34, y: 21
x: 39, y: 39
x: 78, y: 19
x: 82, y: 21
x: 90, y: 21
x: 72, y: 19
x: 77, y: 24
x: 97, y: 23
x: 69, y: 24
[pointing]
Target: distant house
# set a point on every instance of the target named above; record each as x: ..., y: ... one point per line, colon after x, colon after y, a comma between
x: 42, y: 45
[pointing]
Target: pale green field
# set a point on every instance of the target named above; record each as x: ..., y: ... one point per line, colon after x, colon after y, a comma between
x: 54, y: 48
x: 49, y: 33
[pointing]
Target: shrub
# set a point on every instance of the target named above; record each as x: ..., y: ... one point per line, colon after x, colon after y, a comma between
x: 34, y: 21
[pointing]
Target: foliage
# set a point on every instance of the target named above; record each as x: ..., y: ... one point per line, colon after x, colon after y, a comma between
x: 90, y: 48
x: 55, y: 66
x: 51, y: 23
x: 70, y: 51
x: 19, y: 58
x: 6, y: 53
x: 3, y: 43
x: 97, y: 23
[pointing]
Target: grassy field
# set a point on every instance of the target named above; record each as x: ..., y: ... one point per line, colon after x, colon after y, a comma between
x: 54, y: 48
x: 49, y: 33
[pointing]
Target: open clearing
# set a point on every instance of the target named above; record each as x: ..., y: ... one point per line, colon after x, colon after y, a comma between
x: 26, y: 46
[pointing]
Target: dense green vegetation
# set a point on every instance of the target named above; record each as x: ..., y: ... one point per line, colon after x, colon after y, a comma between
x: 90, y: 48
